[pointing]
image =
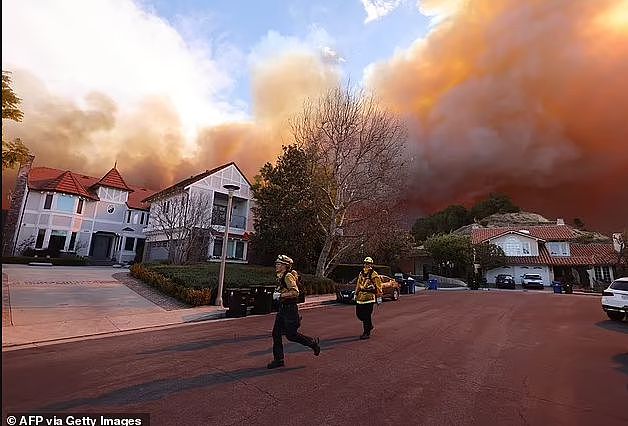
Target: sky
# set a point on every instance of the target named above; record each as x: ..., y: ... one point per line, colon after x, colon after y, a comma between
x: 524, y: 97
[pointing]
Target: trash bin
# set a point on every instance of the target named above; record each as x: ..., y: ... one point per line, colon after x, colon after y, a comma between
x: 404, y: 287
x: 254, y: 291
x: 433, y: 284
x: 238, y: 302
x: 568, y: 288
x: 262, y: 300
x: 411, y: 286
x: 558, y: 288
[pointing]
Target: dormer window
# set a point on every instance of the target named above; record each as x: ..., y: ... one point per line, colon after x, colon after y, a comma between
x: 558, y: 249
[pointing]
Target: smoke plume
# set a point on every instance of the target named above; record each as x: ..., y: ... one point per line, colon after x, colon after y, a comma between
x: 527, y: 97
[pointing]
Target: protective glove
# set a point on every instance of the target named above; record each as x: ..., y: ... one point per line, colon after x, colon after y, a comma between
x: 276, y: 295
x: 379, y: 300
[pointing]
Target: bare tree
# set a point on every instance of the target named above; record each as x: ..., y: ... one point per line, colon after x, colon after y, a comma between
x: 356, y: 153
x: 186, y: 221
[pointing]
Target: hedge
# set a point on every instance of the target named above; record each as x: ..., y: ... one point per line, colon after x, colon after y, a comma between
x: 197, y: 284
x: 190, y: 295
x: 56, y: 261
x: 206, y: 275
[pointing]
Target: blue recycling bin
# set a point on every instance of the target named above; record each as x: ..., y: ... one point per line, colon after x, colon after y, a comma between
x: 432, y: 284
x: 558, y: 288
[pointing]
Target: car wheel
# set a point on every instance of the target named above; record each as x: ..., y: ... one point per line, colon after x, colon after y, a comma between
x: 395, y: 294
x: 616, y: 316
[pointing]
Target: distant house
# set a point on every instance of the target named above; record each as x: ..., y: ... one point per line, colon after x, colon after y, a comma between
x: 209, y: 186
x: 57, y: 211
x: 550, y: 251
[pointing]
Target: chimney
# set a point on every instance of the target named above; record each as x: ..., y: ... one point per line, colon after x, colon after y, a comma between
x: 560, y: 221
x: 18, y: 198
x: 618, y: 242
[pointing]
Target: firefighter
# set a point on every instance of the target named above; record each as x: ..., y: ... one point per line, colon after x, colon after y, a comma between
x: 288, y: 320
x: 368, y: 291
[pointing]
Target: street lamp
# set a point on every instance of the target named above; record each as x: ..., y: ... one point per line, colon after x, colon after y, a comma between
x: 223, y: 259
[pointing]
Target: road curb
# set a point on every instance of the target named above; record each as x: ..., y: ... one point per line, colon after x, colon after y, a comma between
x: 214, y: 316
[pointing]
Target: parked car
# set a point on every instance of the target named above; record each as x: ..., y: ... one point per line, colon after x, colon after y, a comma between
x: 505, y: 281
x: 532, y: 281
x: 390, y: 288
x: 615, y: 299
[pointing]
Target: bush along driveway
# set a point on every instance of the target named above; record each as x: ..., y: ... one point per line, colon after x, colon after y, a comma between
x: 197, y: 284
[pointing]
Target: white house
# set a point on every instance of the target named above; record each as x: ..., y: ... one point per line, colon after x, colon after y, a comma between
x: 210, y: 186
x: 548, y: 250
x: 60, y: 211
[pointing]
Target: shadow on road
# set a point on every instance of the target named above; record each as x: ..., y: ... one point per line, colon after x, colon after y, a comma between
x: 205, y: 344
x: 622, y: 360
x: 296, y: 348
x: 158, y: 389
x: 621, y: 327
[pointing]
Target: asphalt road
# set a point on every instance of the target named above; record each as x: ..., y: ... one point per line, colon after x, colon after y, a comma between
x: 463, y: 358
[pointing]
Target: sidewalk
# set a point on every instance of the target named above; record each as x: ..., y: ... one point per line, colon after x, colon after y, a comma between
x: 14, y: 337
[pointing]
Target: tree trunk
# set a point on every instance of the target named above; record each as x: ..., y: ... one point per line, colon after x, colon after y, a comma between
x: 322, y: 258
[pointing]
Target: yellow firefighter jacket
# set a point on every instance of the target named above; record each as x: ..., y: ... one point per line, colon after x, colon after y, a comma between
x: 288, y: 289
x: 368, y: 287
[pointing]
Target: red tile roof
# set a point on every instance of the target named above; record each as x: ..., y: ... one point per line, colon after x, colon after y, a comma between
x: 43, y: 179
x: 113, y: 179
x: 581, y: 255
x: 542, y: 232
x: 68, y: 184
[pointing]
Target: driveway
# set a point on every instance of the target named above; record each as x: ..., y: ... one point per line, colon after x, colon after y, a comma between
x: 54, y: 296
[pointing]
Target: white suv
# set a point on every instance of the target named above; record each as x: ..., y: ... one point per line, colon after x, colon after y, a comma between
x: 615, y: 299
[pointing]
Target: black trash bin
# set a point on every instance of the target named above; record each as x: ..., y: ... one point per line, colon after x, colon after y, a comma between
x: 254, y: 292
x: 404, y: 287
x: 274, y: 304
x: 238, y: 302
x: 262, y: 299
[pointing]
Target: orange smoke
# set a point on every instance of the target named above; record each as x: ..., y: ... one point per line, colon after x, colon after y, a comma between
x: 528, y: 97
x: 148, y: 143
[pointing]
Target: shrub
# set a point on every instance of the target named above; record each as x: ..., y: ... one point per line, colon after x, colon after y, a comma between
x: 190, y: 295
x: 204, y: 277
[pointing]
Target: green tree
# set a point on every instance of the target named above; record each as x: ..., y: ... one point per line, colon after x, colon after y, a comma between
x: 285, y: 211
x: 452, y: 254
x: 495, y: 203
x: 442, y: 222
x: 13, y: 152
x: 489, y: 256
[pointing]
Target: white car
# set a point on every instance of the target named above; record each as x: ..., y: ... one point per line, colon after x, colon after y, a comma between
x: 615, y: 299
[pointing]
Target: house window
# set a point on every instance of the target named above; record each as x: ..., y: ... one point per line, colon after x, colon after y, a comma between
x: 526, y: 248
x: 65, y: 203
x: 602, y: 273
x: 512, y: 247
x: 129, y: 243
x: 41, y: 234
x: 217, y: 247
x: 57, y: 240
x: 48, y: 202
x: 128, y: 216
x: 558, y: 248
x: 79, y: 207
x: 142, y: 219
x: 72, y: 241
